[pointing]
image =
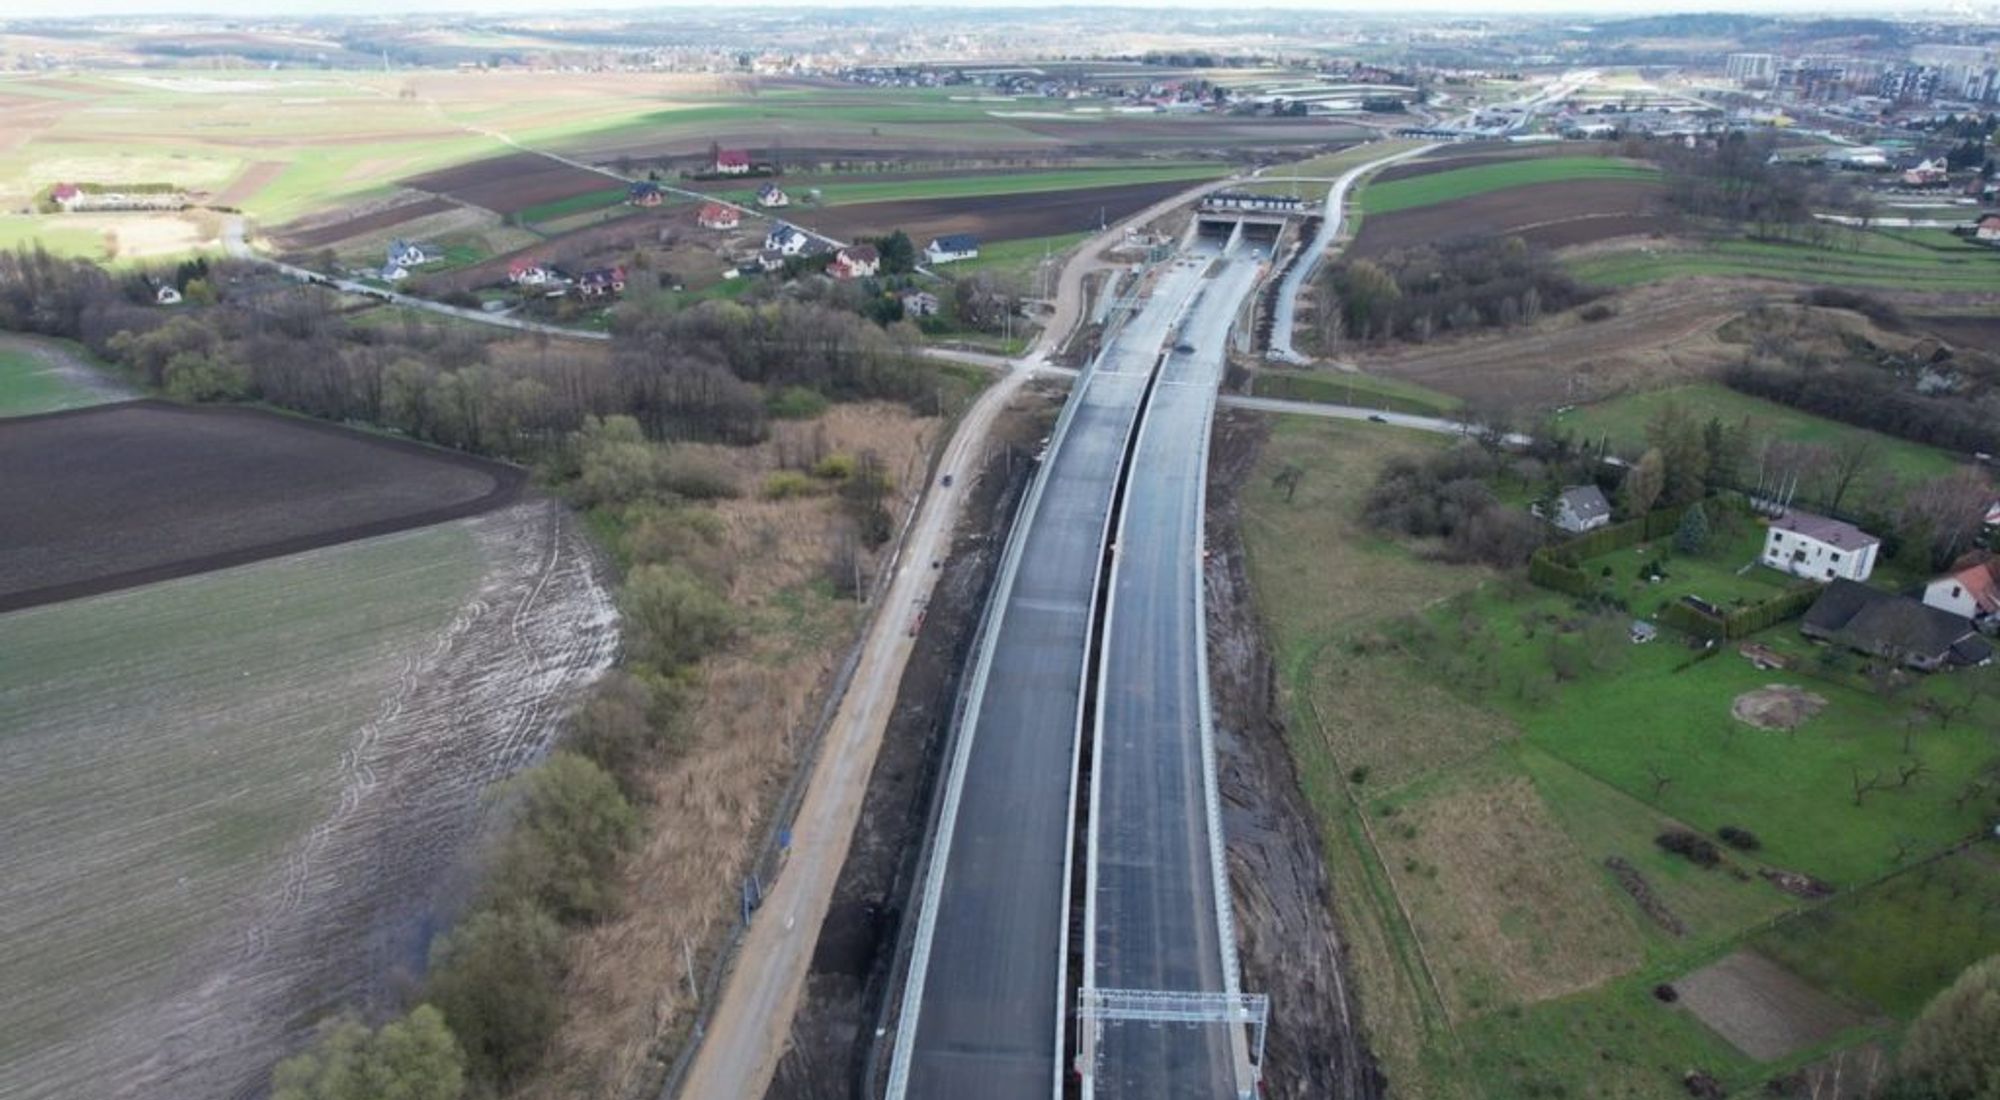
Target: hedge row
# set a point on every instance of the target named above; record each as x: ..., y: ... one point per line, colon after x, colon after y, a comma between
x: 1744, y: 621
x: 1559, y: 567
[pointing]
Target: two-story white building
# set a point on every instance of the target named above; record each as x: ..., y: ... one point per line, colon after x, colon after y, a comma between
x: 1971, y: 592
x: 1806, y: 545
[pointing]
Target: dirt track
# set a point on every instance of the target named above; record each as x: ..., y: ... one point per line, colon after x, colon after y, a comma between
x: 833, y: 1030
x: 1553, y: 215
x: 1290, y: 946
x: 128, y: 494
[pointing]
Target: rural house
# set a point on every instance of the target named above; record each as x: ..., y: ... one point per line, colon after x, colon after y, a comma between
x: 644, y: 193
x: 601, y: 282
x: 530, y: 273
x: 1806, y: 545
x: 1971, y: 592
x: 1581, y: 508
x: 771, y: 195
x: 919, y: 303
x: 404, y: 253
x: 66, y: 195
x: 856, y: 261
x: 715, y: 215
x: 1926, y: 173
x: 1883, y: 624
x: 732, y: 162
x: 952, y: 246
x: 1988, y: 229
x: 785, y: 240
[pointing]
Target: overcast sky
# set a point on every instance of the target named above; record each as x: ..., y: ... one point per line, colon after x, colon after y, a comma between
x: 378, y: 7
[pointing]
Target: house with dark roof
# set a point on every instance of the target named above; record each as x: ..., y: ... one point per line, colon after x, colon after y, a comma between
x: 1581, y: 508
x: 770, y: 195
x: 601, y: 282
x: 1970, y: 591
x: 1898, y: 628
x: 786, y: 240
x: 1822, y: 549
x: 856, y: 261
x: 645, y: 193
x: 952, y: 246
x: 404, y: 253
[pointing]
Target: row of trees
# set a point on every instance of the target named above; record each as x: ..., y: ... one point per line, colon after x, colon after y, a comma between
x: 1453, y: 286
x: 700, y: 373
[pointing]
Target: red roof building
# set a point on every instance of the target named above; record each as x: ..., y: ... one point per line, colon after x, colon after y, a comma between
x: 715, y: 215
x: 732, y: 162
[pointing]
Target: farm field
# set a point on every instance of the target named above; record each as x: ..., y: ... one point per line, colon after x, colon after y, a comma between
x: 1012, y: 183
x: 1417, y: 187
x: 1470, y: 798
x: 143, y: 491
x: 1624, y: 420
x: 238, y: 799
x: 992, y: 218
x: 39, y: 375
x: 1017, y: 259
x: 1551, y: 215
x: 1885, y: 263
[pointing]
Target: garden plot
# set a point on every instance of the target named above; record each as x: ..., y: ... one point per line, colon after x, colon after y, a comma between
x: 236, y: 801
x: 1763, y: 1009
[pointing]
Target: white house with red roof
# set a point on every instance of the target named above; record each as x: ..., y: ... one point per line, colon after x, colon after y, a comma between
x: 1988, y: 228
x: 856, y: 261
x: 1971, y: 591
x: 715, y: 215
x: 732, y: 162
x: 66, y: 195
x: 525, y: 272
x: 1806, y: 545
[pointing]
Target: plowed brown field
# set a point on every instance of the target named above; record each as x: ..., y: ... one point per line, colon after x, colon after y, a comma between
x: 1553, y: 215
x: 514, y: 182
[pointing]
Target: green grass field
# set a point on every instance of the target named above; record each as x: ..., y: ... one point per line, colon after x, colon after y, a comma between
x: 29, y: 230
x: 1624, y: 420
x: 39, y: 376
x: 1018, y: 260
x: 167, y: 745
x: 1884, y: 261
x: 1338, y: 387
x: 1403, y: 680
x: 575, y: 204
x: 1459, y: 183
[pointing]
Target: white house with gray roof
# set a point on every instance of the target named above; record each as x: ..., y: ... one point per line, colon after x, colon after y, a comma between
x: 1581, y: 508
x: 1806, y: 545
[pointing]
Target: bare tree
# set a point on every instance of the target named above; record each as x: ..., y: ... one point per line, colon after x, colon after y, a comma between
x: 1288, y: 479
x: 1909, y: 771
x: 1862, y: 787
x: 1851, y: 456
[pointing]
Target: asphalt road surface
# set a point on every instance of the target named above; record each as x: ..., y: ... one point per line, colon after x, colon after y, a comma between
x: 984, y: 1011
x: 1282, y: 313
x: 1154, y: 920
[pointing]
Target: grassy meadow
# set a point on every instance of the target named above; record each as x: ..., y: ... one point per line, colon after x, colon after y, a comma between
x: 1459, y: 183
x: 1872, y: 259
x: 1477, y: 749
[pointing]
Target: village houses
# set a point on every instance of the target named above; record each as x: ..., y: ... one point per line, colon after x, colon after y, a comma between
x: 732, y: 162
x: 785, y: 240
x: 770, y: 196
x: 952, y: 246
x: 715, y: 215
x: 644, y: 193
x: 1806, y: 545
x: 1581, y: 508
x: 856, y: 261
x: 1971, y: 591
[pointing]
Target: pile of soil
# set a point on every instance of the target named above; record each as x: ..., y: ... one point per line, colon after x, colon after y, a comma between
x: 1777, y: 707
x: 1649, y: 903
